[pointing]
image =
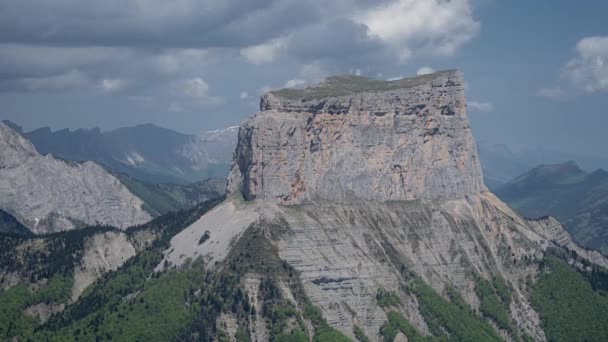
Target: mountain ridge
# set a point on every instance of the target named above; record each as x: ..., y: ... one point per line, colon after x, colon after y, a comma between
x: 46, y: 194
x: 577, y: 198
x: 147, y: 152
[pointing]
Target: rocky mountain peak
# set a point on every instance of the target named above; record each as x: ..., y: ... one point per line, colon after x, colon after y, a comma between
x: 46, y: 194
x: 352, y: 137
x: 14, y: 147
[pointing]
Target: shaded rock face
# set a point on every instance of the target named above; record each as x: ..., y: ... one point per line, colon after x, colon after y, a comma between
x: 46, y: 194
x: 382, y: 141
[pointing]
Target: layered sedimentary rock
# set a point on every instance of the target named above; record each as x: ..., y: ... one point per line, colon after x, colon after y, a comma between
x: 356, y: 138
x: 46, y: 194
x: 360, y: 184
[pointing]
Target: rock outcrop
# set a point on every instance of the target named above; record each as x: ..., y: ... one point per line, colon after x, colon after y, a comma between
x: 46, y: 194
x: 360, y: 185
x: 355, y: 138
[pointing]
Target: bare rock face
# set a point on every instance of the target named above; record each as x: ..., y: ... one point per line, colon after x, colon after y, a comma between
x: 356, y: 138
x: 46, y: 194
x: 364, y: 182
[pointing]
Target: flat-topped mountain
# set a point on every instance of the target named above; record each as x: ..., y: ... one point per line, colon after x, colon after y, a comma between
x: 365, y: 199
x: 46, y: 194
x: 356, y: 138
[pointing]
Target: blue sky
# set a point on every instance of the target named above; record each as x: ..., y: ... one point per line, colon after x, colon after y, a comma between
x: 536, y: 71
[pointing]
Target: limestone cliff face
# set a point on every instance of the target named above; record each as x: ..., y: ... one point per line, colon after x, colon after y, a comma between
x: 46, y: 194
x: 356, y: 138
x: 367, y: 182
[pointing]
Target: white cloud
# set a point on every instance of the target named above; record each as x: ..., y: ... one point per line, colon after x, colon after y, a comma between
x: 196, y: 87
x: 478, y: 106
x: 435, y: 26
x: 266, y: 52
x: 264, y: 89
x: 70, y: 80
x: 295, y: 83
x: 425, y: 70
x: 112, y: 84
x: 588, y: 71
x: 244, y: 95
x: 196, y: 90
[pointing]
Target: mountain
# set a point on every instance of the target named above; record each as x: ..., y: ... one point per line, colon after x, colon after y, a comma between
x: 46, y: 194
x: 577, y: 198
x: 162, y: 198
x: 146, y: 152
x: 359, y: 206
x: 501, y: 164
x: 42, y: 275
x: 356, y: 210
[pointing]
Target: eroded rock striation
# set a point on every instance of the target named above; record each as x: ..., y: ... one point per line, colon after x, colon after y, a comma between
x: 361, y: 186
x: 46, y: 194
x: 356, y: 138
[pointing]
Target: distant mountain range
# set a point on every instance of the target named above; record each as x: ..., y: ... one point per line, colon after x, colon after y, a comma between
x: 159, y: 155
x: 577, y: 198
x: 146, y: 152
x: 43, y: 194
x: 501, y: 164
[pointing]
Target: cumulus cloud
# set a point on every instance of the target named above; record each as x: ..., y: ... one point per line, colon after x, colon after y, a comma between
x: 266, y: 52
x: 479, y: 106
x: 433, y: 26
x: 188, y: 52
x: 588, y: 71
x: 585, y: 73
x: 112, y: 84
x: 308, y: 74
x: 425, y: 70
x: 196, y: 90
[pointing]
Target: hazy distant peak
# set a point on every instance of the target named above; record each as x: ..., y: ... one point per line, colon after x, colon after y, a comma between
x: 13, y: 125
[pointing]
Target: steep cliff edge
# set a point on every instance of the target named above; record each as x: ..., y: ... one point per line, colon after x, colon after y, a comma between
x: 370, y: 193
x: 356, y: 138
x: 46, y: 194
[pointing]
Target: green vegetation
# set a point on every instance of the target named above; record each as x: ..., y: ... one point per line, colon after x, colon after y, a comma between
x: 13, y: 302
x: 350, y: 84
x: 163, y: 198
x: 495, y: 298
x: 131, y: 307
x: 360, y: 334
x: 13, y: 322
x: 569, y: 308
x: 442, y: 315
x: 323, y: 332
x: 130, y: 303
x: 387, y: 298
x: 397, y: 323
